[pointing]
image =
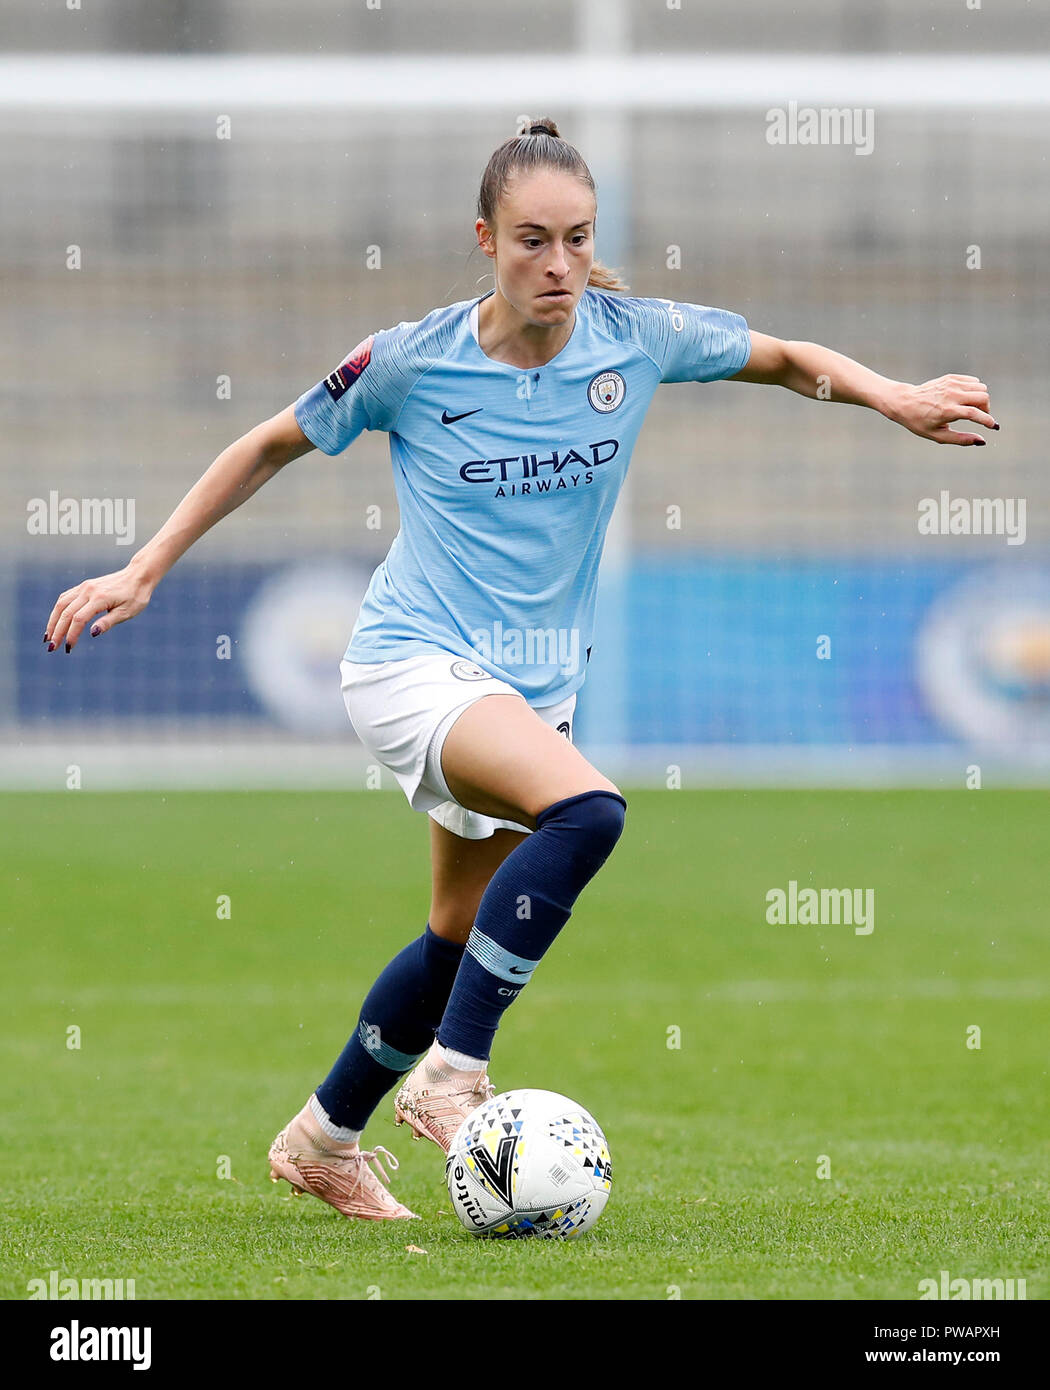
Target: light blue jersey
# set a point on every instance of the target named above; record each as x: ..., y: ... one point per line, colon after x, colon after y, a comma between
x: 506, y: 476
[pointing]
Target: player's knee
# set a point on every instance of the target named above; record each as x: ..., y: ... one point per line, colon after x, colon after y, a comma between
x: 594, y: 819
x: 453, y: 920
x: 608, y: 810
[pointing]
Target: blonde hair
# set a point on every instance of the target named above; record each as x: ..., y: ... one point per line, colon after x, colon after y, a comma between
x: 540, y: 146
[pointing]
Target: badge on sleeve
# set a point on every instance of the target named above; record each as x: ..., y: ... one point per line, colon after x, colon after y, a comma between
x: 348, y: 371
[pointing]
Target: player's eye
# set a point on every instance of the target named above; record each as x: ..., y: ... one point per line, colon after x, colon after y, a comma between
x: 578, y: 240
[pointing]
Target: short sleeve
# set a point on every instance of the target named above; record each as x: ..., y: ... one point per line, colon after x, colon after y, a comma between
x: 693, y: 342
x: 335, y: 411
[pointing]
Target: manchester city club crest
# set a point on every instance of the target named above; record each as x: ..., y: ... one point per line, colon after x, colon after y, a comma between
x: 467, y: 671
x: 606, y: 391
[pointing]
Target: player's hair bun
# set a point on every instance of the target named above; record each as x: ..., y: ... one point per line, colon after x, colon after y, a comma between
x: 544, y: 126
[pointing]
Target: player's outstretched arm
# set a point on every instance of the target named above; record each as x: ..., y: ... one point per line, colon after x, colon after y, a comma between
x: 822, y: 374
x: 238, y: 472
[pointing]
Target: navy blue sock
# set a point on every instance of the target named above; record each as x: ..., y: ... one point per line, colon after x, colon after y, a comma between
x: 396, y: 1027
x: 527, y: 902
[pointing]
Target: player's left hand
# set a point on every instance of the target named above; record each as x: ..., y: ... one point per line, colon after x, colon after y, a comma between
x: 929, y: 409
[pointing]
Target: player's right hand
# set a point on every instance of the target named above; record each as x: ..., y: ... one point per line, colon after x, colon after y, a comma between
x: 118, y: 597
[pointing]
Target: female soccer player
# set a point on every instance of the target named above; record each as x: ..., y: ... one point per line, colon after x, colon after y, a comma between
x: 511, y: 418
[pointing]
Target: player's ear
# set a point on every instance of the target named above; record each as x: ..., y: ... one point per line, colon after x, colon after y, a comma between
x: 486, y: 237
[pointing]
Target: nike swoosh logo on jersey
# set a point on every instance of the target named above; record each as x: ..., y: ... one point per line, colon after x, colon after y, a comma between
x: 447, y: 419
x: 515, y: 971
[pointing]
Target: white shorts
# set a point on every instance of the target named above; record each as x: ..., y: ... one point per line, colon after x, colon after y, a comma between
x: 401, y: 711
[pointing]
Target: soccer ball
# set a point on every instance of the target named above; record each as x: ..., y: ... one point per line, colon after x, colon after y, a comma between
x: 529, y: 1163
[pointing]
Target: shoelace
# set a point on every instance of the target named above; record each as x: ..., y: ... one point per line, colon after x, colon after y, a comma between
x: 371, y: 1156
x: 484, y: 1089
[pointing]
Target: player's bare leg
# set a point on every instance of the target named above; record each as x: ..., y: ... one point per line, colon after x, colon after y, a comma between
x: 460, y: 873
x: 502, y: 760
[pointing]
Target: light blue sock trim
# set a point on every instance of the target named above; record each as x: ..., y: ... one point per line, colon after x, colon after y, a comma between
x: 497, y: 960
x: 368, y: 1036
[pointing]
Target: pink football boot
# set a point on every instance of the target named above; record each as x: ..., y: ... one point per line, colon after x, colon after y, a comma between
x: 340, y: 1174
x: 435, y: 1099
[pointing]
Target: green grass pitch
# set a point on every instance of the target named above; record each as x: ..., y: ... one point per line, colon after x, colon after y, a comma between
x: 200, y: 1036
